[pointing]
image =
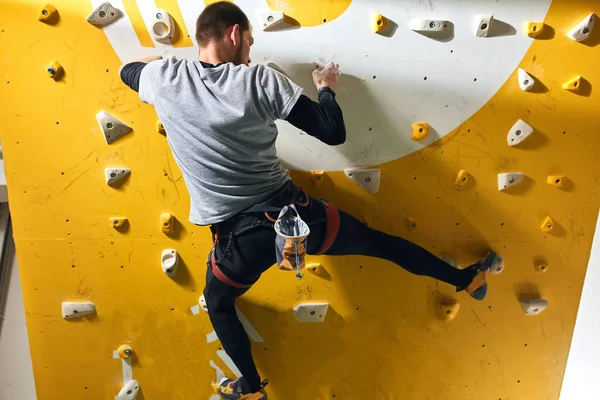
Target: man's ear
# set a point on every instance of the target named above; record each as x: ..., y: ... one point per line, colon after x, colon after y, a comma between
x: 235, y: 35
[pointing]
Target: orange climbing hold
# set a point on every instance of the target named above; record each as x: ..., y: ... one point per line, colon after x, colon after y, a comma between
x: 125, y: 351
x: 556, y: 180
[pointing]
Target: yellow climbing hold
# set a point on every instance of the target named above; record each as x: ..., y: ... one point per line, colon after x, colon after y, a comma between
x: 573, y: 85
x: 461, y: 179
x: 541, y: 266
x: 125, y: 351
x: 534, y: 28
x: 411, y: 224
x: 547, y: 225
x: 447, y: 311
x: 556, y: 180
x: 55, y: 70
x: 379, y: 22
x: 118, y: 222
x: 314, y: 268
x: 160, y: 128
x: 317, y: 177
x: 48, y: 14
x: 420, y: 130
x: 167, y: 222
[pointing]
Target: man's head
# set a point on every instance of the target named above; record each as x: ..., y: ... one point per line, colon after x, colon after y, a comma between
x: 226, y: 28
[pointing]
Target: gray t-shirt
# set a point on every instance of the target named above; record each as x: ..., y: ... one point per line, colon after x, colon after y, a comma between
x: 220, y: 124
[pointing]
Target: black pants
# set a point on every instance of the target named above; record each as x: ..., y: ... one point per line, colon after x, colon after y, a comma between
x: 246, y: 248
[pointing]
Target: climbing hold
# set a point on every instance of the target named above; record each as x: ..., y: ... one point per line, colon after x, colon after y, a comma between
x: 526, y: 82
x: 125, y: 351
x: 129, y: 391
x: 160, y: 128
x: 115, y: 175
x: 534, y: 306
x: 541, y: 266
x: 420, y: 130
x: 519, y: 132
x: 103, y: 15
x: 72, y: 310
x: 573, y: 85
x: 112, y: 128
x: 48, y: 14
x: 317, y: 177
x: 368, y: 179
x: 55, y: 70
x: 547, y: 225
x: 509, y: 179
x: 447, y: 311
x: 427, y: 25
x: 379, y: 22
x: 483, y: 25
x: 169, y: 261
x: 314, y: 268
x: 411, y: 224
x: 461, y: 179
x: 556, y: 180
x: 311, y: 312
x: 163, y: 28
x: 202, y: 302
x: 118, y: 222
x: 270, y: 20
x: 534, y: 28
x: 584, y: 29
x: 167, y: 222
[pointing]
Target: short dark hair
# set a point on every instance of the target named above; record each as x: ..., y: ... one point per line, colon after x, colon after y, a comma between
x: 216, y: 18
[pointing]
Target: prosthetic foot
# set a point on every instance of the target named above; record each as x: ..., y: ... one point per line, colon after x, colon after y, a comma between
x: 238, y: 390
x: 478, y: 287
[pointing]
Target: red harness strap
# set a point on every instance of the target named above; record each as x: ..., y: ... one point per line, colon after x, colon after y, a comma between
x: 221, y: 276
x: 333, y: 226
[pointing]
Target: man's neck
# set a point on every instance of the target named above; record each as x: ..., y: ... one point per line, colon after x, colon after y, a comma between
x: 211, y: 55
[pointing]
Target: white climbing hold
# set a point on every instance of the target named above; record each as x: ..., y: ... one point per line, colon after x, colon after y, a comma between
x: 519, y: 132
x: 104, y: 14
x: 484, y: 22
x: 111, y: 127
x: 169, y: 261
x: 311, y: 312
x: 509, y: 179
x: 368, y: 179
x: 584, y: 29
x: 202, y: 302
x: 115, y: 175
x: 163, y: 28
x: 526, y: 81
x: 534, y: 306
x: 129, y: 391
x: 72, y: 310
x: 270, y: 20
x: 428, y: 25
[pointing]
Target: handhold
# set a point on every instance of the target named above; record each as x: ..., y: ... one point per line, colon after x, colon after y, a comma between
x: 115, y: 175
x: 118, y: 222
x: 509, y: 179
x: 584, y: 29
x: 55, y: 70
x: 420, y: 130
x: 447, y: 311
x: 573, y: 85
x: 112, y: 128
x: 411, y: 224
x: 547, y: 225
x: 368, y: 179
x: 526, y: 82
x: 497, y: 264
x: 169, y: 261
x: 167, y: 222
x: 48, y: 14
x: 317, y: 177
x: 483, y: 25
x: 72, y: 310
x: 541, y: 266
x: 270, y: 20
x: 314, y: 268
x: 519, y: 132
x: 427, y: 25
x: 379, y: 22
x: 202, y: 302
x: 311, y: 312
x: 556, y: 180
x: 534, y: 306
x: 534, y: 28
x: 104, y: 14
x: 461, y: 179
x: 163, y: 28
x: 160, y: 128
x: 125, y: 351
x: 129, y: 391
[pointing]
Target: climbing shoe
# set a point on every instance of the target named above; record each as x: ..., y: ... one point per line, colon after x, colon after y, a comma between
x: 238, y: 390
x: 478, y: 287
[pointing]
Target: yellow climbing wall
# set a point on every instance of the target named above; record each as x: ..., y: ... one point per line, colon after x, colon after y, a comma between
x: 381, y: 338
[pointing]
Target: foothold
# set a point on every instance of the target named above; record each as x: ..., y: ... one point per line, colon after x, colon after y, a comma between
x: 103, y: 15
x: 169, y: 261
x: 48, y: 14
x: 420, y: 130
x: 112, y: 128
x: 160, y: 128
x: 411, y: 224
x: 167, y: 222
x: 483, y: 25
x: 519, y: 132
x: 534, y: 28
x: 584, y: 29
x: 534, y: 306
x: 202, y: 303
x: 526, y: 81
x: 556, y: 180
x: 461, y: 179
x: 270, y: 20
x: 541, y: 266
x: 509, y: 179
x: 125, y: 351
x: 118, y: 222
x: 368, y: 179
x: 379, y: 22
x: 55, y: 70
x: 547, y: 225
x: 428, y: 25
x: 163, y: 28
x: 317, y: 177
x: 311, y: 312
x: 447, y: 311
x: 497, y: 264
x: 129, y: 391
x: 115, y: 175
x: 573, y: 85
x: 72, y: 310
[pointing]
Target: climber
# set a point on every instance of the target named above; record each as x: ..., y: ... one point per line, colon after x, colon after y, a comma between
x: 219, y: 114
